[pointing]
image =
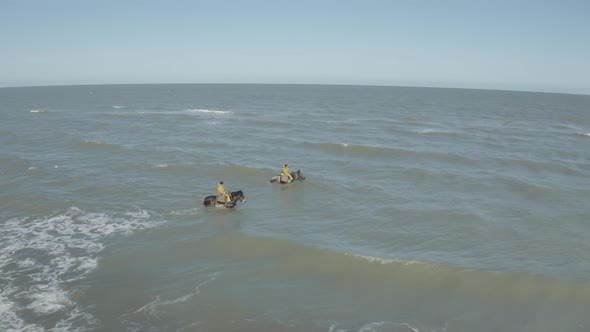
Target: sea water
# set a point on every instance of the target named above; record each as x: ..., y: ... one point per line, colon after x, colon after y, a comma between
x: 422, y: 210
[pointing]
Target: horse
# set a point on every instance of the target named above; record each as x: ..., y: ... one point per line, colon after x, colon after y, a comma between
x: 296, y: 176
x: 235, y: 197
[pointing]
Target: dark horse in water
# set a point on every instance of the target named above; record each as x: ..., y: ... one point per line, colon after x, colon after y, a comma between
x: 235, y: 197
x: 283, y: 178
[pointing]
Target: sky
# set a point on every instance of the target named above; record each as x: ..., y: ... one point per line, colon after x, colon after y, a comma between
x: 499, y: 44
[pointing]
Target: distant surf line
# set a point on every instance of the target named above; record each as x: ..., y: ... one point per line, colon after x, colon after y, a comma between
x: 202, y: 110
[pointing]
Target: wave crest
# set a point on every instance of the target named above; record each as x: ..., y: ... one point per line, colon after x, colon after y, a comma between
x: 206, y: 111
x: 372, y: 259
x: 96, y: 144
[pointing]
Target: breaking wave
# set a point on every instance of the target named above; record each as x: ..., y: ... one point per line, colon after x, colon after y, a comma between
x: 96, y: 144
x: 41, y: 254
x: 206, y: 111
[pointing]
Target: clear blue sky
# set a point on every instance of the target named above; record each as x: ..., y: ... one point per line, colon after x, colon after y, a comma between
x: 497, y: 44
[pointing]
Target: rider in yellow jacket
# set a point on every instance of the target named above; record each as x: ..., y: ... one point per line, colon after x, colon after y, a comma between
x: 221, y: 190
x: 286, y: 171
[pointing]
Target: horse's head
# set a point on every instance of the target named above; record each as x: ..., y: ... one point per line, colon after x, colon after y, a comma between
x: 298, y: 175
x: 238, y: 196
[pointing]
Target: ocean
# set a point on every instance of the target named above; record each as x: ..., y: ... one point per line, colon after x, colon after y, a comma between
x: 423, y: 209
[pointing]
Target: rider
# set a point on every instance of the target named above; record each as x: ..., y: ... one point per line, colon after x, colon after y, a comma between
x: 221, y: 190
x: 286, y: 171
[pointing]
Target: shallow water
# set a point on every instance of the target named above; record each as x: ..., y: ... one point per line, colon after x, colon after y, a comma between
x: 423, y: 209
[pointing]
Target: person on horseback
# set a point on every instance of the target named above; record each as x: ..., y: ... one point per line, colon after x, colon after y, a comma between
x: 221, y: 191
x: 287, y: 173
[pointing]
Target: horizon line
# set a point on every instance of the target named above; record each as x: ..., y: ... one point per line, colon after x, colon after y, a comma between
x: 318, y: 84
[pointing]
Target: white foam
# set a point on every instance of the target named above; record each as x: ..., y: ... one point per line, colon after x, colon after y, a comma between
x: 74, y: 320
x: 583, y: 134
x: 370, y: 327
x: 50, y: 251
x: 151, y: 308
x: 91, y: 141
x: 188, y: 212
x: 380, y: 260
x: 160, y: 166
x: 141, y: 214
x: 567, y: 126
x: 375, y: 326
x: 431, y: 131
x: 38, y: 111
x: 26, y: 263
x: 424, y: 131
x: 87, y: 265
x: 196, y: 110
x: 47, y: 300
x: 334, y: 328
x: 117, y: 106
x: 9, y: 320
x: 344, y: 145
